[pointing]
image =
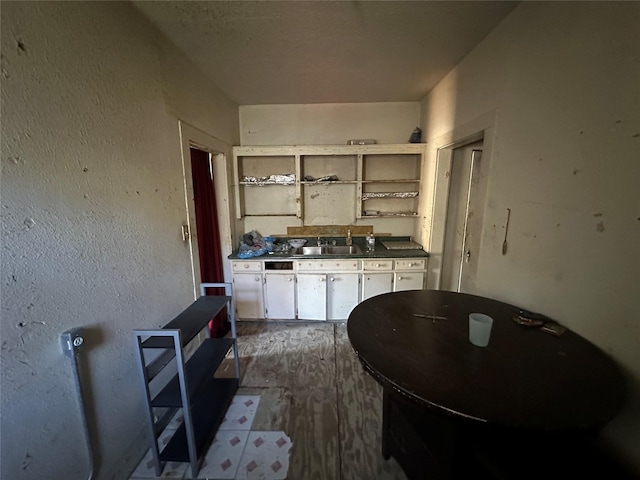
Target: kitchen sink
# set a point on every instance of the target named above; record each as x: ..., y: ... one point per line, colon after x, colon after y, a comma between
x: 329, y: 250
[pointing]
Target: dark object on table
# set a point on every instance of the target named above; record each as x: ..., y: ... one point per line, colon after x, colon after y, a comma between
x: 530, y: 319
x: 553, y: 328
x: 416, y: 136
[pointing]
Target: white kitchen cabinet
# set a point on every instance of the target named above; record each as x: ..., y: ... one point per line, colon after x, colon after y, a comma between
x: 408, y: 281
x: 376, y: 283
x: 312, y: 296
x: 244, y: 266
x: 318, y: 289
x: 411, y: 264
x: 379, y: 264
x: 328, y: 265
x: 377, y: 277
x: 327, y: 289
x: 327, y: 296
x: 409, y: 274
x: 392, y: 275
x: 249, y: 295
x: 279, y: 294
x: 248, y: 289
x: 342, y: 295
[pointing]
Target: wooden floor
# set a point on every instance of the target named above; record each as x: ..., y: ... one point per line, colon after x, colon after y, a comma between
x: 314, y: 389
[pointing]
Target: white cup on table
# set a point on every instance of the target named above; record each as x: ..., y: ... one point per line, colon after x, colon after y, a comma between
x: 480, y: 329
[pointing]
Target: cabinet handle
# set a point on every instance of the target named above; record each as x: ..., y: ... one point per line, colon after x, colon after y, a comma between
x: 410, y: 264
x: 333, y: 279
x: 322, y: 279
x: 246, y: 265
x: 377, y: 264
x: 399, y: 278
x: 291, y: 279
x: 257, y: 279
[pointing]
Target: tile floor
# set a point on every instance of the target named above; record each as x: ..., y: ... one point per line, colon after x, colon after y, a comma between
x: 305, y: 409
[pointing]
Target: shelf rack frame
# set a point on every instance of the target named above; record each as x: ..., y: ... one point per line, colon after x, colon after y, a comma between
x: 202, y: 397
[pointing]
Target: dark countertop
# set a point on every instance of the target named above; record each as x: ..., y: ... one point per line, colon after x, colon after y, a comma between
x: 379, y: 252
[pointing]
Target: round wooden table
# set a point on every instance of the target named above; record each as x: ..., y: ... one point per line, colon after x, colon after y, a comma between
x: 525, y: 379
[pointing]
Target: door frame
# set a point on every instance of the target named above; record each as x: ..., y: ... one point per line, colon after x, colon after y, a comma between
x: 482, y: 128
x: 464, y: 157
x: 191, y: 137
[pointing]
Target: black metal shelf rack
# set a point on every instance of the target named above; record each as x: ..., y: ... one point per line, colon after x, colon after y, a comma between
x: 193, y: 387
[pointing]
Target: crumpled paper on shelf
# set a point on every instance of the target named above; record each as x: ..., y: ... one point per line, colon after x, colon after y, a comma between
x: 277, y: 179
x: 366, y: 196
x: 326, y: 178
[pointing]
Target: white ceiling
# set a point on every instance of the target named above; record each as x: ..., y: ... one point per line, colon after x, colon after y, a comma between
x: 296, y: 52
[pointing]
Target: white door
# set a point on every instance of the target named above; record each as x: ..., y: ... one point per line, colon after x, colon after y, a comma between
x: 279, y: 292
x: 312, y: 296
x: 342, y: 295
x: 247, y: 290
x: 408, y: 281
x: 464, y: 220
x: 376, y: 284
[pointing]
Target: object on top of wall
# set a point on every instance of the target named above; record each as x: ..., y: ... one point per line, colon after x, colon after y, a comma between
x: 366, y: 141
x: 416, y: 136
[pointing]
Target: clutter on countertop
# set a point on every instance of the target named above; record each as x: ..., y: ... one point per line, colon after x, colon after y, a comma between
x: 401, y: 245
x: 297, y: 242
x: 253, y: 245
x: 371, y: 242
x: 278, y: 246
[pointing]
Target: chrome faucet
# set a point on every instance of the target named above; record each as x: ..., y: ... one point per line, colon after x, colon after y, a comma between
x: 322, y: 242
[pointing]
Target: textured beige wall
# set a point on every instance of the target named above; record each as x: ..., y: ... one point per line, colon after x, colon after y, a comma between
x: 559, y: 83
x: 92, y: 202
x: 327, y: 123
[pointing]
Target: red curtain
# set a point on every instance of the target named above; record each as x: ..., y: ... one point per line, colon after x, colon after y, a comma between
x: 208, y: 233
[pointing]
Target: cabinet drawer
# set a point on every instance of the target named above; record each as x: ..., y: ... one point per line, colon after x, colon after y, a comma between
x: 327, y: 265
x: 377, y: 264
x: 414, y: 264
x: 242, y: 266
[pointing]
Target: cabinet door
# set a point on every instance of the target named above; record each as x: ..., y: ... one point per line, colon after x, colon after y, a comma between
x: 377, y: 265
x: 342, y: 295
x: 411, y: 264
x: 247, y: 290
x: 376, y: 284
x: 246, y: 266
x: 312, y: 296
x: 408, y: 281
x: 279, y: 291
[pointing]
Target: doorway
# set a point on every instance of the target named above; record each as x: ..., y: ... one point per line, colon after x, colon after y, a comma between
x: 479, y: 130
x: 215, y: 171
x: 463, y: 225
x: 208, y: 231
